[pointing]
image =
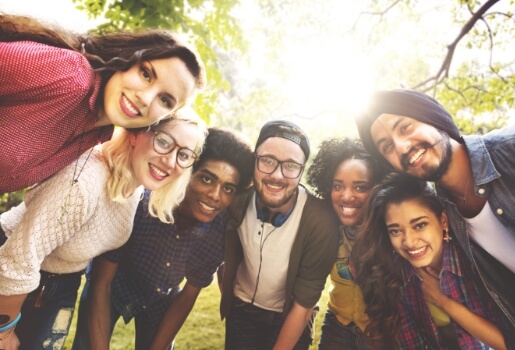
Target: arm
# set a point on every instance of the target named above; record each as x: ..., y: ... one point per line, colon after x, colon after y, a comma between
x: 13, y: 303
x: 293, y: 326
x: 476, y: 325
x: 175, y: 316
x: 99, y: 300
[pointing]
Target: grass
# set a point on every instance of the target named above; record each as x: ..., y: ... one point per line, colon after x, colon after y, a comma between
x: 203, y: 330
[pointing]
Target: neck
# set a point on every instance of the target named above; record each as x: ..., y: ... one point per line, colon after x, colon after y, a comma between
x: 458, y: 178
x: 183, y: 218
x: 102, y: 120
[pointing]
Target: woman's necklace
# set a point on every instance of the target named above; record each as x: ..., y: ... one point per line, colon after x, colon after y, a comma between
x: 75, y: 177
x: 463, y: 197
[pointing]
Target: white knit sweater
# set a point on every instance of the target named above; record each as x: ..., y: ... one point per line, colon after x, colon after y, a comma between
x: 41, y: 235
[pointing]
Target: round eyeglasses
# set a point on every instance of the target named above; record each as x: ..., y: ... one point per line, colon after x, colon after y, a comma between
x: 289, y: 169
x: 164, y: 143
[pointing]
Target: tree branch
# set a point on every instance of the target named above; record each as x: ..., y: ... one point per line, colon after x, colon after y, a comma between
x: 443, y: 72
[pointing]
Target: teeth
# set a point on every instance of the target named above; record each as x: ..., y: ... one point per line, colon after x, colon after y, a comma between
x: 416, y: 156
x: 129, y: 105
x: 206, y: 207
x: 274, y: 187
x: 413, y: 252
x: 349, y: 209
x: 157, y: 170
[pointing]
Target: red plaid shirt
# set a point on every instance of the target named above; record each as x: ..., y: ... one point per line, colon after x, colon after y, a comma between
x: 418, y: 330
x: 47, y: 100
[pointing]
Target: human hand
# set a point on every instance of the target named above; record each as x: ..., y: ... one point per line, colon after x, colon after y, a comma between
x: 9, y: 340
x: 431, y: 285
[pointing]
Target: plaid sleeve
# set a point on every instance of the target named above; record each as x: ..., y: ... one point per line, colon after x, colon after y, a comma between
x: 207, y: 253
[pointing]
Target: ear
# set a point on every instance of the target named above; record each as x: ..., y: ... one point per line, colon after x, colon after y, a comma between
x: 444, y: 220
x: 132, y: 138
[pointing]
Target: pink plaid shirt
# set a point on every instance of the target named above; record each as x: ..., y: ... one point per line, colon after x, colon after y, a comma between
x: 47, y: 102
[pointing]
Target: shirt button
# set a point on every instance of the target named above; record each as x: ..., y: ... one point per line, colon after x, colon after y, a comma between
x: 500, y: 211
x: 144, y: 306
x: 159, y: 290
x: 481, y: 191
x: 168, y: 264
x: 177, y: 236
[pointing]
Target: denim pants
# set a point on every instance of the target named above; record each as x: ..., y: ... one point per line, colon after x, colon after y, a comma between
x: 337, y: 336
x: 252, y: 328
x: 45, y: 326
x: 145, y: 330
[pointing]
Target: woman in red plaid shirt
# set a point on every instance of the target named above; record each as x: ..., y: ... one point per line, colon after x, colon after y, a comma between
x: 61, y: 93
x: 422, y: 295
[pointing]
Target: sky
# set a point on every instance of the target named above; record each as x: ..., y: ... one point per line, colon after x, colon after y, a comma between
x: 328, y: 85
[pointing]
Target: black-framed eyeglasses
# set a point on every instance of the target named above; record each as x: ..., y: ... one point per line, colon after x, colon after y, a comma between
x: 289, y: 169
x: 164, y: 143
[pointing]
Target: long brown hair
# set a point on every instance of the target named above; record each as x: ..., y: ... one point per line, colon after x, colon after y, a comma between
x: 107, y: 53
x: 378, y: 275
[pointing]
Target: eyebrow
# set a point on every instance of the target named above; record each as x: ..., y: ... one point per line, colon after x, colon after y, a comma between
x: 383, y: 139
x: 207, y: 172
x: 154, y: 73
x: 412, y: 221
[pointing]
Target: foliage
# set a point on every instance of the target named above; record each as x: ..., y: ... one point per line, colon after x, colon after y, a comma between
x: 202, y: 330
x: 209, y: 24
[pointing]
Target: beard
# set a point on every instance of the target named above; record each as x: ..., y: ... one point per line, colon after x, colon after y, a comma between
x: 275, y: 203
x: 433, y: 173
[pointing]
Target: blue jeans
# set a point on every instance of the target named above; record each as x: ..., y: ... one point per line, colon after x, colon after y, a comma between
x: 145, y: 330
x: 337, y: 336
x: 46, y: 326
x: 252, y: 328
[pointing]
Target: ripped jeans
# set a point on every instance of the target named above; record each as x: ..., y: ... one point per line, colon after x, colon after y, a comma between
x: 46, y: 326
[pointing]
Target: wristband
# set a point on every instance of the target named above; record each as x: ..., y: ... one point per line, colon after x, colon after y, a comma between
x: 11, y: 324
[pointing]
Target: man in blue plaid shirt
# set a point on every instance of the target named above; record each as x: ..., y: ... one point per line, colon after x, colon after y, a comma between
x: 141, y: 279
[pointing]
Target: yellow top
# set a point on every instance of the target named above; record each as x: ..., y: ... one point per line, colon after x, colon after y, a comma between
x: 345, y: 298
x: 439, y: 316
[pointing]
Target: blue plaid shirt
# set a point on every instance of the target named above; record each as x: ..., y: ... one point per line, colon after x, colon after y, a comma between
x: 156, y: 259
x: 418, y: 330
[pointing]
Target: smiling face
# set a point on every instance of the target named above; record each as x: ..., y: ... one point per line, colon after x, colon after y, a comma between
x: 416, y: 233
x: 146, y: 93
x: 154, y: 170
x: 412, y: 147
x: 210, y: 191
x: 275, y: 191
x: 352, y: 183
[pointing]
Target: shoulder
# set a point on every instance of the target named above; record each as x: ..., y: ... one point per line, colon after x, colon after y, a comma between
x: 45, y: 63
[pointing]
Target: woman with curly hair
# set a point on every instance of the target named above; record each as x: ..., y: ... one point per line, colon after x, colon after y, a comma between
x: 421, y: 296
x: 343, y: 173
x: 61, y: 92
x: 83, y: 211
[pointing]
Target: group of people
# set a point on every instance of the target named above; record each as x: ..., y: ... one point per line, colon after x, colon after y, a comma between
x: 411, y: 221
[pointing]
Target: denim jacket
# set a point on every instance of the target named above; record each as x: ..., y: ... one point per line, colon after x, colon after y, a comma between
x: 492, y: 157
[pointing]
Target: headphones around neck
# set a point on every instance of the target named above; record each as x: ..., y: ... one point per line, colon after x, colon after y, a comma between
x: 277, y: 220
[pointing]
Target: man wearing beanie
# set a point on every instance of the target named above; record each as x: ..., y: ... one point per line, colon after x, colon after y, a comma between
x: 280, y: 245
x: 474, y: 177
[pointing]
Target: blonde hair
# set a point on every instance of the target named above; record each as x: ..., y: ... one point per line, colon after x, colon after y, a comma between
x: 117, y: 155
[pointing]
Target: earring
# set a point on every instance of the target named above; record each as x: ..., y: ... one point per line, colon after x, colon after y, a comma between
x: 446, y: 236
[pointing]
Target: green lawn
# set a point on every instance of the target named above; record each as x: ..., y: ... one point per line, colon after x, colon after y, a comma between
x: 203, y: 329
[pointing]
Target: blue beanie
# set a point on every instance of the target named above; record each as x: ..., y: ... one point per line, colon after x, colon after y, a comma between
x: 408, y: 103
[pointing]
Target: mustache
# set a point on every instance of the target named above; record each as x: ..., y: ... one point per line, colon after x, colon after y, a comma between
x: 404, y: 158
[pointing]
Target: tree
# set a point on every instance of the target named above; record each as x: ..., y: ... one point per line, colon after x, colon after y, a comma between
x: 209, y: 24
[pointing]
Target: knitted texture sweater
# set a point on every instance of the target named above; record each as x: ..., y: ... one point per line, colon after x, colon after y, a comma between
x: 60, y: 227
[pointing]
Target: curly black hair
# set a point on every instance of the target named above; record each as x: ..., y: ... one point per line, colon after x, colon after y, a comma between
x: 227, y: 145
x: 331, y: 154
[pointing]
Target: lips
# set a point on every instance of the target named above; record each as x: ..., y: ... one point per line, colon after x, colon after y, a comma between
x: 348, y: 210
x: 416, y: 253
x: 206, y: 207
x: 129, y: 108
x: 416, y: 156
x: 157, y: 173
x: 273, y: 187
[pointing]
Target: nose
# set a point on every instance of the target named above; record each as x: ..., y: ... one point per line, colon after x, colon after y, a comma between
x: 402, y: 145
x: 145, y: 96
x: 410, y: 238
x: 278, y: 173
x: 348, y: 195
x: 170, y: 159
x: 214, y: 192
